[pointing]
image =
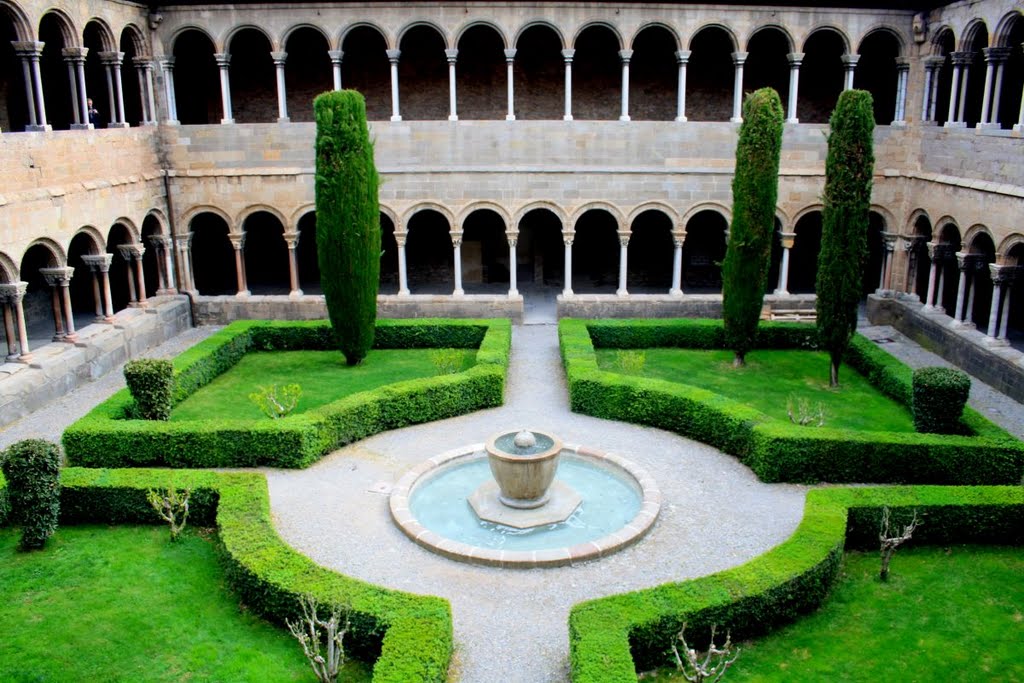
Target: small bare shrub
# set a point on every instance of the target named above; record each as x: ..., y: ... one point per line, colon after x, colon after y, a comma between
x: 276, y: 401
x: 172, y: 506
x: 891, y: 543
x: 308, y: 631
x: 802, y: 413
x: 715, y: 661
x: 446, y: 361
x: 630, y: 362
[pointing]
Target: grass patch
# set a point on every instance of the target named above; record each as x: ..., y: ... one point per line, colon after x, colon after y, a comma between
x: 122, y: 603
x: 323, y: 376
x: 770, y: 378
x: 947, y: 614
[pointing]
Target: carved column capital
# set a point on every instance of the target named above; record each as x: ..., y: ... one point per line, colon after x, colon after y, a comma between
x: 98, y: 262
x: 60, y: 276
x: 13, y: 292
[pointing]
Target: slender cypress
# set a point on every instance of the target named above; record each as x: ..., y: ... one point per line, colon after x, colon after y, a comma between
x: 844, y: 223
x: 348, y: 238
x: 755, y: 189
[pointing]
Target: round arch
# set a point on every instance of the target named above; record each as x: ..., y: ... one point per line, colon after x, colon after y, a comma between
x: 542, y: 204
x: 1001, y: 34
x: 935, y: 44
x: 422, y: 23
x: 971, y: 32
x: 830, y: 28
x: 393, y: 217
x: 68, y: 31
x: 664, y: 208
x: 771, y: 27
x: 233, y: 32
x: 129, y: 224
x: 1007, y: 245
x: 941, y: 224
x: 910, y: 227
x: 974, y: 232
x: 543, y: 23
x: 461, y: 31
x: 489, y: 206
x: 715, y: 25
x: 707, y: 206
x: 255, y: 208
x: 136, y: 38
x: 160, y: 218
x: 57, y: 253
x: 194, y: 211
x: 429, y: 206
x: 601, y: 24
x: 655, y: 24
x: 298, y: 214
x: 887, y: 216
x: 288, y: 32
x: 782, y: 218
x: 895, y: 33
x: 600, y: 206
x: 389, y: 41
x: 182, y: 30
x: 99, y: 243
x: 22, y: 26
x: 8, y: 269
x: 104, y: 33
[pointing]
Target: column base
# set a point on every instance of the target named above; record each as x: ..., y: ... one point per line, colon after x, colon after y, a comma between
x: 735, y: 119
x: 82, y: 126
x: 168, y: 122
x: 621, y: 292
x: 223, y: 122
x: 513, y: 293
x: 1018, y: 128
x: 26, y: 358
x: 675, y: 292
x: 954, y: 124
x: 962, y: 325
x: 117, y: 124
x: 567, y: 117
x: 403, y: 292
x: 11, y: 358
x: 780, y: 292
x: 245, y: 293
x: 459, y: 292
x: 295, y: 294
x: 396, y: 117
x: 166, y: 292
x: 39, y: 129
x: 992, y: 341
x: 283, y: 119
x: 898, y: 124
x: 70, y: 338
x: 624, y: 117
x: 453, y: 117
x: 987, y: 126
x: 510, y: 117
x: 793, y: 120
x: 152, y: 124
x: 681, y: 119
x: 567, y: 292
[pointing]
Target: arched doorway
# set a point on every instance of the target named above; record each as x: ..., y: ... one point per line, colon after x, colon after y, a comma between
x: 1013, y: 71
x: 978, y: 300
x: 703, y: 252
x: 252, y: 76
x: 153, y: 260
x: 14, y: 108
x: 948, y: 272
x: 132, y: 45
x: 389, y: 283
x: 539, y: 74
x: 653, y: 75
x: 56, y: 33
x: 122, y: 271
x: 38, y: 300
x: 423, y: 75
x: 83, y: 295
x: 803, y: 258
x: 709, y: 76
x: 874, y: 258
x: 595, y: 253
x: 540, y: 250
x: 212, y: 256
x: 306, y: 255
x: 651, y: 252
x: 196, y: 80
x: 307, y: 71
x: 97, y: 38
x: 429, y: 254
x: 943, y: 46
x: 596, y: 74
x: 821, y: 75
x: 481, y: 74
x: 485, y: 267
x: 366, y: 69
x: 767, y: 64
x: 266, y: 254
x: 975, y: 41
x: 876, y: 73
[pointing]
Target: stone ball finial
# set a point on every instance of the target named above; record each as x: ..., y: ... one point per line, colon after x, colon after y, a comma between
x: 525, y: 439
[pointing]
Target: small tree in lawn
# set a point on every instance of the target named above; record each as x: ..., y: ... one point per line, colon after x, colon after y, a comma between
x: 844, y: 223
x: 347, y: 220
x: 755, y: 188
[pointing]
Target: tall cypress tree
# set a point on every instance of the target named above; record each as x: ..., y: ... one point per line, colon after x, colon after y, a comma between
x: 348, y: 238
x: 755, y: 189
x: 844, y: 223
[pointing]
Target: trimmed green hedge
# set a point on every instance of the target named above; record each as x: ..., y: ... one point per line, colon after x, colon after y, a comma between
x: 105, y: 438
x: 611, y: 638
x: 779, y: 451
x: 939, y: 397
x: 408, y: 636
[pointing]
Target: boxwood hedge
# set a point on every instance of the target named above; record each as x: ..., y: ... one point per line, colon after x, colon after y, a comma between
x: 779, y: 451
x: 107, y: 438
x: 409, y: 637
x: 611, y: 638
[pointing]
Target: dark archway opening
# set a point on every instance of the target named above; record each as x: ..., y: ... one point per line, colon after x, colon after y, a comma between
x: 595, y: 253
x: 54, y: 71
x: 803, y: 258
x: 919, y: 264
x: 1013, y: 75
x: 540, y: 249
x: 775, y: 264
x: 306, y: 256
x: 821, y: 76
x: 539, y: 74
x: 944, y: 45
x: 653, y: 75
x: 872, y: 277
x: 1015, y: 294
x: 14, y: 111
x: 365, y: 68
x: 975, y: 74
x: 484, y: 253
x: 38, y: 300
x: 481, y: 74
x: 83, y: 301
x: 423, y: 75
x: 152, y: 257
x: 596, y: 75
x: 709, y: 76
x: 389, y: 256
x: 948, y: 274
x: 703, y: 252
x: 876, y: 73
x: 129, y: 81
x: 767, y: 65
x: 196, y: 81
x: 266, y: 254
x: 121, y: 269
x: 651, y: 251
x: 983, y: 253
x: 307, y: 71
x: 213, y: 257
x: 96, y: 40
x: 252, y: 76
x: 429, y: 254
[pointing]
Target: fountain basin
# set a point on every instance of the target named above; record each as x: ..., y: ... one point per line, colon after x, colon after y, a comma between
x: 524, y: 473
x: 459, y: 535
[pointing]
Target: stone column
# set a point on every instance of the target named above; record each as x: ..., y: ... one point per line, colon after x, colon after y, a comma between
x: 986, y: 98
x: 625, y: 56
x: 888, y: 249
x: 12, y: 294
x: 111, y: 101
x: 144, y: 69
x: 623, y: 262
x: 457, y: 261
x: 998, y: 279
x: 738, y: 59
x: 902, y: 70
x: 911, y: 260
x: 966, y: 59
x: 393, y: 56
x: 787, y: 239
x: 167, y: 65
x: 1005, y: 320
x: 932, y: 67
x: 292, y: 240
x: 995, y: 60
x: 954, y: 88
x: 163, y: 246
x: 567, y: 238
x: 29, y: 53
x: 510, y: 56
x: 113, y: 62
x: 336, y: 57
x: 963, y: 262
x: 12, y: 342
x: 513, y: 264
x: 678, y: 237
x: 137, y: 251
x: 941, y: 288
x: 59, y: 280
x: 979, y: 265
x: 282, y: 93
x: 567, y: 55
x: 183, y: 243
x: 403, y: 277
x: 76, y: 82
x: 238, y: 243
x: 682, y: 58
x: 452, y: 56
x: 99, y: 264
x: 128, y: 255
x: 849, y: 66
x: 223, y: 62
x: 933, y: 252
x: 795, y: 59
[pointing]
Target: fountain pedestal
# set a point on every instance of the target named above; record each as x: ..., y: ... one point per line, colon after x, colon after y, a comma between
x: 562, y: 501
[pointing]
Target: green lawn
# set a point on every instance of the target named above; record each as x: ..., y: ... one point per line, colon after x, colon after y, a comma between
x: 124, y: 604
x: 323, y: 376
x: 770, y: 378
x: 946, y: 614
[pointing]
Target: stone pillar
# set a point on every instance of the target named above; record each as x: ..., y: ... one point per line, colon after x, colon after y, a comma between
x: 111, y: 101
x: 1005, y: 320
x: 966, y: 59
x: 452, y: 56
x: 932, y: 67
x: 144, y: 69
x: 849, y: 66
x: 99, y: 264
x: 995, y: 60
x: 12, y: 294
x: 183, y: 243
x: 888, y: 249
x: 393, y: 56
x: 113, y: 62
x: 567, y: 238
x: 167, y: 66
x: 971, y: 289
x: 678, y: 237
x: 510, y: 56
x: 74, y: 57
x: 513, y: 263
x: 131, y: 253
x: 998, y: 279
x: 1019, y: 126
x: 567, y: 55
x: 223, y: 62
x: 292, y: 240
x: 336, y: 57
x: 238, y: 243
x: 986, y: 98
x: 954, y: 88
x: 902, y: 70
x: 963, y: 262
x: 162, y: 245
x: 682, y: 58
x: 738, y: 59
x: 403, y: 277
x: 623, y: 262
x: 625, y: 56
x: 59, y: 280
x: 12, y: 342
x: 457, y: 248
x: 282, y: 93
x: 942, y: 281
x: 787, y: 239
x: 795, y: 59
x: 29, y: 52
x: 934, y: 251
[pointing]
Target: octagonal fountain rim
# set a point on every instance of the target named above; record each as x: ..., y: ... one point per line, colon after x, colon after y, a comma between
x: 633, y: 531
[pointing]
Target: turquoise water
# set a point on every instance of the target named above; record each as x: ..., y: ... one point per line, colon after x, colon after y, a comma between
x: 608, y: 504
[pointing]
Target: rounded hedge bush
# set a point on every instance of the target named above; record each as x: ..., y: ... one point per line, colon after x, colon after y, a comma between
x: 32, y: 470
x: 151, y: 383
x: 939, y: 396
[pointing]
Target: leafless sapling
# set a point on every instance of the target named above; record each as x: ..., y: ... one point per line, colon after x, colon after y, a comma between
x: 172, y: 506
x: 891, y: 543
x: 308, y: 629
x: 715, y: 661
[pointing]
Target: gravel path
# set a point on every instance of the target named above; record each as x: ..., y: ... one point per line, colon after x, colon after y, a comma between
x: 511, y: 625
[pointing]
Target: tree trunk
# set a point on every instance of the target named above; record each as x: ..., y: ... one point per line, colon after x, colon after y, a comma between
x: 833, y: 375
x: 739, y: 360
